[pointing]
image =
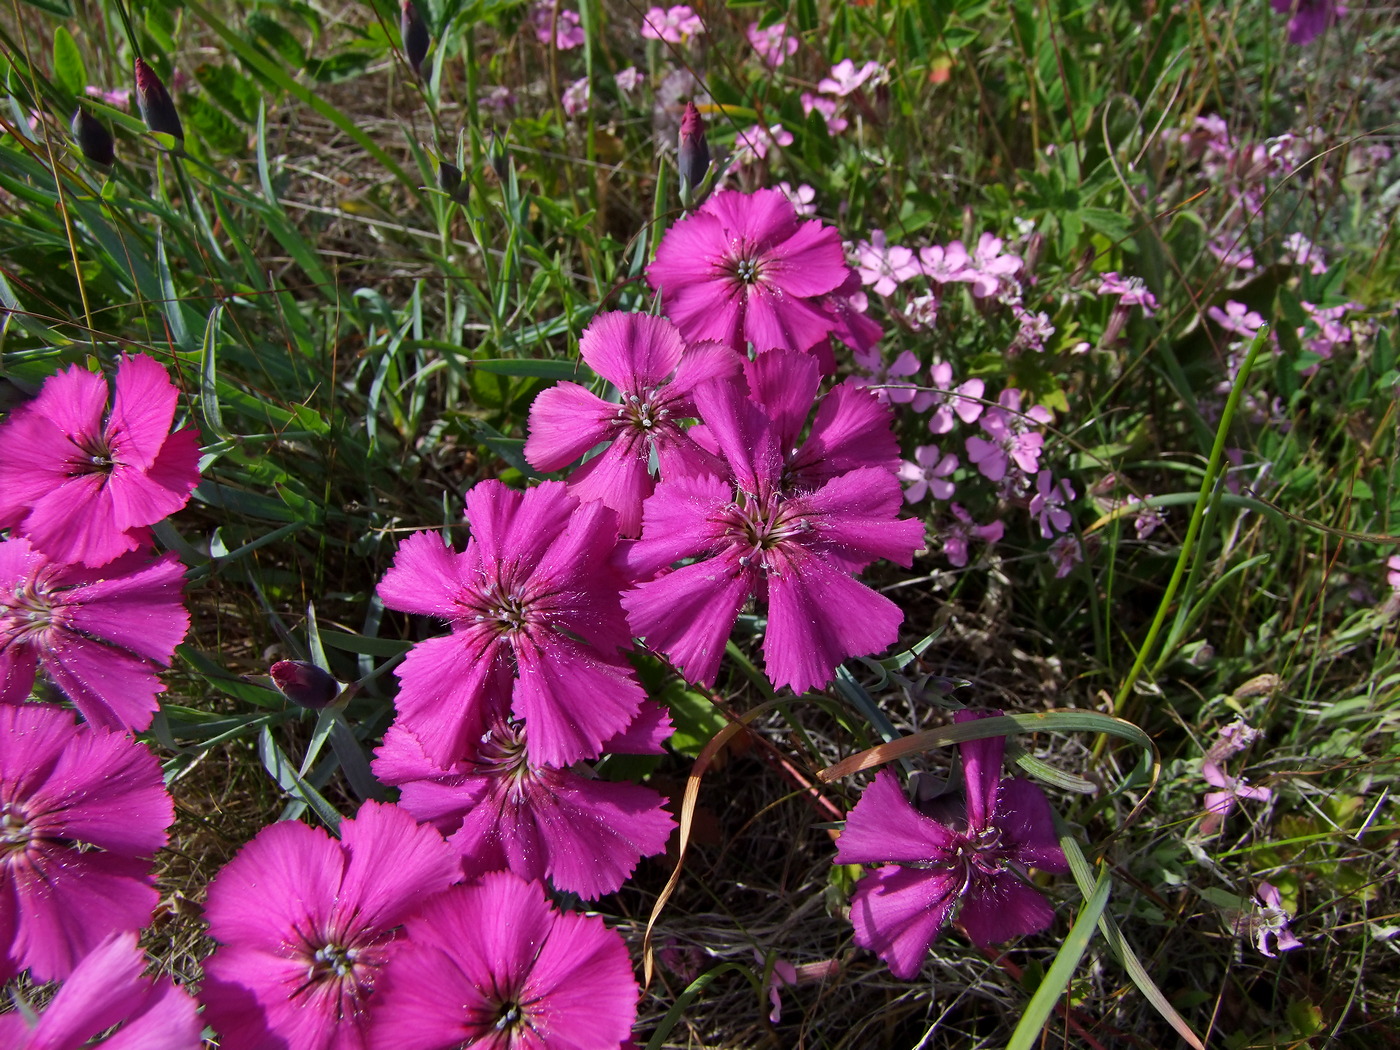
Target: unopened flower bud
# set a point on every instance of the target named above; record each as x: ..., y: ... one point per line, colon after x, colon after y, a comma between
x: 156, y: 106
x: 304, y: 683
x: 694, y: 150
x: 499, y: 156
x: 94, y: 139
x: 414, y: 32
x: 1035, y: 248
x: 451, y: 183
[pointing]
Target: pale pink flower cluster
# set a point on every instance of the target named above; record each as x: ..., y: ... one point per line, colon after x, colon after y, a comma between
x: 674, y: 25
x: 557, y: 26
x: 774, y: 44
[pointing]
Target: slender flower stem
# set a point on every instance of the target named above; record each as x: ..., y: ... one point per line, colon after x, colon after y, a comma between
x: 1203, y: 499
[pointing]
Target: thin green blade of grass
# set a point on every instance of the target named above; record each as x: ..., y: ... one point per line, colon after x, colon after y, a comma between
x: 1057, y: 978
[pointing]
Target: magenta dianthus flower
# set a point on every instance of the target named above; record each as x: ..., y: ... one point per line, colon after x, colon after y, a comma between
x: 654, y: 371
x: 502, y: 810
x: 536, y: 627
x: 494, y: 966
x: 745, y: 269
x: 99, y: 634
x: 104, y: 990
x: 851, y: 428
x: 1308, y: 19
x: 83, y: 489
x: 749, y: 536
x: 929, y: 865
x: 307, y: 924
x: 81, y: 812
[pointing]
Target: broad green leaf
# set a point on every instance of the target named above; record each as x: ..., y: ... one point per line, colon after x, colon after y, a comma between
x: 69, y: 73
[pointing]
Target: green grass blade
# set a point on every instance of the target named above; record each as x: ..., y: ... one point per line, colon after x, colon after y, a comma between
x: 1061, y: 972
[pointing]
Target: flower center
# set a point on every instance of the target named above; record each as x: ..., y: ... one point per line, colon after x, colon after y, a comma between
x: 15, y: 832
x: 333, y: 961
x: 508, y: 1016
x: 503, y: 608
x: 762, y: 524
x: 644, y: 412
x: 748, y: 269
x: 502, y: 753
x: 27, y: 612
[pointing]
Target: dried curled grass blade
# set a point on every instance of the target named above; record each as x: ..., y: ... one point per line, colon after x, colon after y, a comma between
x: 686, y: 818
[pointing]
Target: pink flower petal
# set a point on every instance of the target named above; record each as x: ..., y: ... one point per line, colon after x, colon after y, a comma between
x: 897, y: 912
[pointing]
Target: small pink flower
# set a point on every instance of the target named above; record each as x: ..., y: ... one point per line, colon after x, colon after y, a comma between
x: 1049, y: 504
x: 83, y: 489
x: 1269, y: 922
x: 963, y: 401
x: 846, y: 78
x: 946, y: 265
x: 564, y: 29
x: 1233, y: 253
x: 928, y: 474
x: 1131, y: 291
x: 752, y: 144
x: 307, y: 925
x: 575, y: 98
x: 1065, y: 553
x: 886, y: 266
x: 105, y: 990
x: 119, y: 98
x: 1035, y: 331
x: 827, y: 108
x: 1234, y: 738
x: 494, y: 965
x: 99, y: 635
x: 628, y: 79
x: 929, y: 865
x: 1392, y: 575
x: 83, y: 811
x: 884, y: 381
x: 1299, y: 251
x: 674, y: 25
x: 958, y: 536
x: 1237, y: 318
x: 991, y: 271
x: 1012, y: 442
x: 803, y: 198
x: 773, y: 44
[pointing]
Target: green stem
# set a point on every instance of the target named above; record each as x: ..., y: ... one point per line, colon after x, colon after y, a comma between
x: 1198, y: 514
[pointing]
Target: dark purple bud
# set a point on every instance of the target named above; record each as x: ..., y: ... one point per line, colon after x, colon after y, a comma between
x: 305, y: 684
x: 94, y: 139
x: 414, y: 32
x: 499, y: 155
x: 449, y: 179
x: 156, y: 106
x: 694, y: 149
